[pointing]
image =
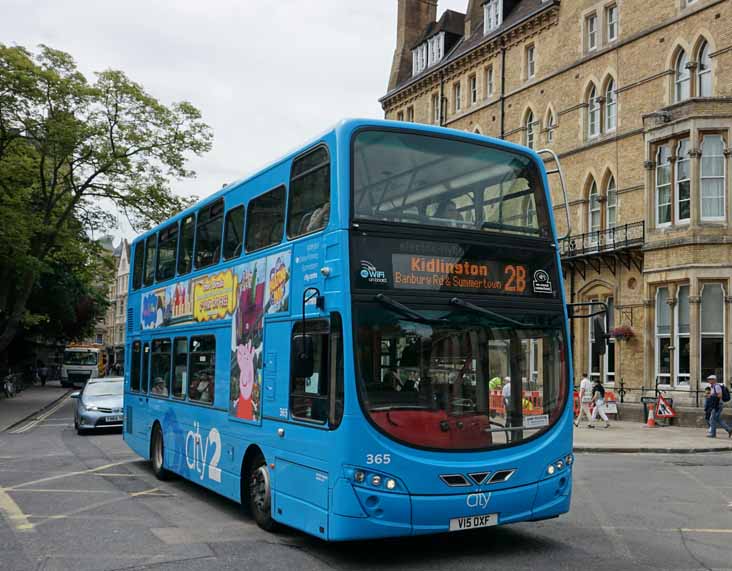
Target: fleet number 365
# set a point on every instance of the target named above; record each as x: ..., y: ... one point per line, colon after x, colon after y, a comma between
x: 378, y: 458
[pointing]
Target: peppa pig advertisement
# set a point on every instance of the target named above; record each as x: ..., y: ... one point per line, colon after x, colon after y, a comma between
x: 246, y: 340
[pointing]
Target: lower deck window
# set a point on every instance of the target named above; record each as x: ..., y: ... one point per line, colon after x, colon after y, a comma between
x: 160, y: 368
x: 135, y: 366
x: 180, y: 367
x: 309, y: 395
x: 201, y: 369
x: 319, y: 397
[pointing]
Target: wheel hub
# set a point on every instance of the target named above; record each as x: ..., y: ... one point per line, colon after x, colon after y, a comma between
x: 260, y: 489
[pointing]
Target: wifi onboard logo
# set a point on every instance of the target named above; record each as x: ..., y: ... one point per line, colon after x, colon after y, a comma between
x: 371, y: 274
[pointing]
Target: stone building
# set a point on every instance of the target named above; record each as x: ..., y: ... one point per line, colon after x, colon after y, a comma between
x: 635, y: 96
x: 104, y: 325
x: 115, y: 320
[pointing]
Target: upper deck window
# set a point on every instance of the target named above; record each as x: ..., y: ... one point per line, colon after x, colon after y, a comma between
x: 150, y: 247
x: 138, y: 264
x: 266, y: 219
x: 208, y: 234
x: 411, y: 178
x: 234, y: 233
x: 309, y: 204
x: 167, y: 248
x: 185, y: 252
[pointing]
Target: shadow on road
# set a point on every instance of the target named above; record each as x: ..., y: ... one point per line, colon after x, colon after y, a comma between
x: 499, y: 542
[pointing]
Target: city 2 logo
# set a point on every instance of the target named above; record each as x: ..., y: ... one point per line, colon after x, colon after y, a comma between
x: 371, y: 274
x: 197, y: 454
x: 478, y: 500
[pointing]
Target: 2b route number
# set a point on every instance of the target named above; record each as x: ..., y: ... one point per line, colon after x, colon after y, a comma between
x: 516, y: 282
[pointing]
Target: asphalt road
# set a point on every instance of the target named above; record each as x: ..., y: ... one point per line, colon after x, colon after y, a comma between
x: 86, y: 502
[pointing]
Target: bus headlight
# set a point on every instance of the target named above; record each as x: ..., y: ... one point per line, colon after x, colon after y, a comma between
x: 559, y: 465
x: 365, y: 477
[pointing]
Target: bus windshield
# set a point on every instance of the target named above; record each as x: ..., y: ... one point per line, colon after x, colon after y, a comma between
x: 436, y: 181
x: 80, y: 358
x: 443, y: 379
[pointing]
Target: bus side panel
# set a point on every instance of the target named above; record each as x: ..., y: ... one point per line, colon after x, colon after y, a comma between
x: 301, y: 497
x: 275, y: 376
x: 198, y: 444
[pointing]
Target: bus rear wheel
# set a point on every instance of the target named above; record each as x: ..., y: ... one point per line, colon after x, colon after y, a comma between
x: 157, y: 453
x: 260, y: 494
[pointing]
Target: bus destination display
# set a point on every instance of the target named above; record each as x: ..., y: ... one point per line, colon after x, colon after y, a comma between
x: 433, y: 272
x: 408, y: 264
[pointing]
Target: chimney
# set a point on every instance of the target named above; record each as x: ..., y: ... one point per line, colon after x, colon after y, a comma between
x: 473, y: 17
x: 413, y: 17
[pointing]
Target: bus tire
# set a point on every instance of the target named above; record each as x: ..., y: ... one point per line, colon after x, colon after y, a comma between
x: 259, y: 491
x: 157, y: 454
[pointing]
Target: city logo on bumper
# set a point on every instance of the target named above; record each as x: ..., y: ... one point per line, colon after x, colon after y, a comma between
x: 478, y: 499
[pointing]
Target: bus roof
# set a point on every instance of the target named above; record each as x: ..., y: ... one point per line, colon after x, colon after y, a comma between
x: 342, y: 127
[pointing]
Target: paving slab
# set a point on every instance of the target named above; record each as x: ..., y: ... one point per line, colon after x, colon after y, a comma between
x: 625, y: 436
x: 29, y: 402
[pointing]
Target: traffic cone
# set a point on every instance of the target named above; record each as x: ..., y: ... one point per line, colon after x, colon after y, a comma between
x: 651, y: 423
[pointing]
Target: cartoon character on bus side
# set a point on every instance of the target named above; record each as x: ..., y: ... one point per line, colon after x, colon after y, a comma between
x: 245, y: 356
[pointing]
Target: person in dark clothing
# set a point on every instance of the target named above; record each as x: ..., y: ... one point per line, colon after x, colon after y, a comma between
x: 716, y: 408
x: 598, y: 397
x: 707, y: 405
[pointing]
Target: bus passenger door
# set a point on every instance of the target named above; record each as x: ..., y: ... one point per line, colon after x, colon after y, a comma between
x: 140, y: 422
x: 136, y: 400
x: 315, y: 408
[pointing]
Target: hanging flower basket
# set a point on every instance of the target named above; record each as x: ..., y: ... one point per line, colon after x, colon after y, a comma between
x: 622, y: 333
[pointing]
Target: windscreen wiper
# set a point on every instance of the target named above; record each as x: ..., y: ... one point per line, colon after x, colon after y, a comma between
x: 406, y: 311
x: 467, y: 305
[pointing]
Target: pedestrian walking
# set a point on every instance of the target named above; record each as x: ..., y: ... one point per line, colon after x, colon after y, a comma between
x: 707, y: 406
x: 598, y: 397
x: 585, y: 398
x: 42, y: 372
x: 717, y: 397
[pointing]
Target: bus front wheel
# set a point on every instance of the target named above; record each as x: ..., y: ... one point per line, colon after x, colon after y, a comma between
x: 260, y: 494
x: 157, y: 453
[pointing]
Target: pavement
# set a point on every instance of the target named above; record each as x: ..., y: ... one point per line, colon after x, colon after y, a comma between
x: 626, y: 436
x: 30, y: 402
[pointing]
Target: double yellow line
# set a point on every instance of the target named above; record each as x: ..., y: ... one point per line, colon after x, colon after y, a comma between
x: 37, y: 420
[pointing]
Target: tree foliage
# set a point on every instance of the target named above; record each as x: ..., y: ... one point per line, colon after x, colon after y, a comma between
x: 73, y: 152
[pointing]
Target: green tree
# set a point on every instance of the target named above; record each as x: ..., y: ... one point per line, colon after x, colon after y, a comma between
x: 71, y: 153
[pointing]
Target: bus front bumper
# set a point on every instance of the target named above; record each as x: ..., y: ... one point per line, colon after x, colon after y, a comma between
x: 360, y: 513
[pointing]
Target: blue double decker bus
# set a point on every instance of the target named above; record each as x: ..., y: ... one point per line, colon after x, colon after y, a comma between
x: 366, y: 339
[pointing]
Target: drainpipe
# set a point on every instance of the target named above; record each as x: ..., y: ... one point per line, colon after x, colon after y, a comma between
x: 442, y: 101
x: 503, y: 91
x: 571, y: 321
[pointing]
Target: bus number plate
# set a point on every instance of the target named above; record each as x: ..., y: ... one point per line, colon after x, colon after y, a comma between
x: 473, y: 522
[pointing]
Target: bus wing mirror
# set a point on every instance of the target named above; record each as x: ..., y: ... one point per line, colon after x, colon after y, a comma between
x: 599, y: 336
x: 303, y: 363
